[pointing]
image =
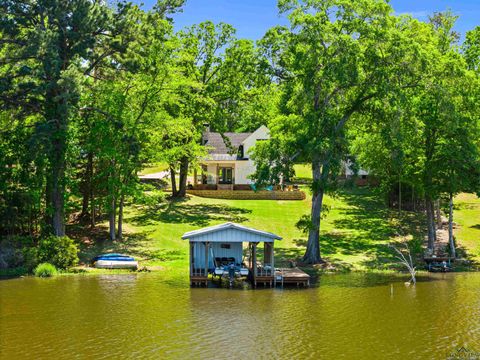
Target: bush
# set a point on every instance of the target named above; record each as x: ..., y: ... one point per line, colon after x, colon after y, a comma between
x: 45, y: 270
x: 416, y: 246
x: 152, y: 199
x: 30, y: 260
x: 12, y: 251
x: 59, y: 251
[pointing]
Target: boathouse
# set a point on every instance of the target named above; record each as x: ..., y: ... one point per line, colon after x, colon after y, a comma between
x: 214, y: 248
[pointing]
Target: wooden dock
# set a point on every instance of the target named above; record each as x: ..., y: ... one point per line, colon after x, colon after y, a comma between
x: 294, y: 276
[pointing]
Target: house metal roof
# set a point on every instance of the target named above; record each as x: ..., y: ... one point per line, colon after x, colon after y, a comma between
x: 230, y: 232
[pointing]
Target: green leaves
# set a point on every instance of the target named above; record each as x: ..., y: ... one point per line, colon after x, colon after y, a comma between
x: 471, y: 49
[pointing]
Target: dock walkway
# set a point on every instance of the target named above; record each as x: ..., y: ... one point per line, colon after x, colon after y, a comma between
x: 294, y: 276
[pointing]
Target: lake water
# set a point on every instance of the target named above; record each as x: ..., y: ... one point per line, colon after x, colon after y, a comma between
x: 146, y: 316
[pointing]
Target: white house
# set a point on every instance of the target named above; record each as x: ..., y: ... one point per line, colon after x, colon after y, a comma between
x: 228, y: 164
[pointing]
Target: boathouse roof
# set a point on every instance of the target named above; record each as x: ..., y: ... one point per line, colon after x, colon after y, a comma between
x: 230, y: 232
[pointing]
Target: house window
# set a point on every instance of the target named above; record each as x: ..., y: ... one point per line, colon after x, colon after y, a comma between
x: 225, y: 246
x: 225, y: 175
x: 241, y: 153
x: 364, y: 177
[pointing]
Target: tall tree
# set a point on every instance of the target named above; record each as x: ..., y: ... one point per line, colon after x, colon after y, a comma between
x: 336, y: 57
x: 121, y: 108
x: 218, y: 81
x: 471, y: 49
x: 43, y: 47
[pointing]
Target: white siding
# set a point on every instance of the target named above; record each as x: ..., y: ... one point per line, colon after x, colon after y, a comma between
x: 243, y: 169
x: 349, y: 171
x: 262, y: 133
x: 211, y: 173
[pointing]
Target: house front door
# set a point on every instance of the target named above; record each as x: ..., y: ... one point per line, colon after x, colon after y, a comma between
x: 225, y: 175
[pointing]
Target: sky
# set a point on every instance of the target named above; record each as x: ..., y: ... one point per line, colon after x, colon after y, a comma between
x: 252, y: 18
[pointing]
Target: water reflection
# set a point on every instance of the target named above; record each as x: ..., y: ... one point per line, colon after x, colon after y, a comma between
x: 354, y: 316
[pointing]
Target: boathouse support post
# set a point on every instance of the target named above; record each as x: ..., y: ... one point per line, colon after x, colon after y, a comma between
x: 206, y: 258
x: 254, y: 264
x: 273, y: 267
x: 272, y: 259
x: 191, y: 261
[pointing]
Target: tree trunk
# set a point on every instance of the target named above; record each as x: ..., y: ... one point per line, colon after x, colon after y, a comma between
x: 93, y: 209
x: 312, y: 253
x: 55, y: 196
x: 430, y: 223
x: 111, y: 221
x: 182, y: 190
x: 120, y: 217
x: 413, y: 199
x: 450, y: 228
x: 438, y: 214
x: 399, y: 197
x: 174, y: 181
x: 86, y: 187
x: 55, y: 111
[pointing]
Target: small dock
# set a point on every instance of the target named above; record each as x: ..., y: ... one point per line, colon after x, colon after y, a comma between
x: 218, y: 251
x: 292, y: 276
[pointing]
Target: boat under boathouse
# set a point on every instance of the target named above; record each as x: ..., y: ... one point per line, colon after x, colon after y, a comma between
x: 217, y: 248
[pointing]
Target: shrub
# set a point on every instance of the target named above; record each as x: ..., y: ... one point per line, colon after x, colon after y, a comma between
x: 416, y: 246
x: 59, y: 251
x: 30, y: 260
x: 12, y: 251
x: 151, y: 199
x: 45, y: 270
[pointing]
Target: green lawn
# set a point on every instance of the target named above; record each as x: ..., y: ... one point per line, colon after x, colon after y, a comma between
x: 467, y: 216
x: 354, y: 234
x: 154, y: 168
x: 303, y: 171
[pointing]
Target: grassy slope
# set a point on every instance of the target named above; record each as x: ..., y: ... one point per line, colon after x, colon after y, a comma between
x: 354, y: 233
x: 154, y: 169
x: 467, y: 216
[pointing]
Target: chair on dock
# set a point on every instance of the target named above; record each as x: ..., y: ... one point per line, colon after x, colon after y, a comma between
x: 438, y: 263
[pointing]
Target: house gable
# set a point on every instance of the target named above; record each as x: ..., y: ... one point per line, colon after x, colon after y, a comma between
x: 262, y: 133
x: 229, y: 146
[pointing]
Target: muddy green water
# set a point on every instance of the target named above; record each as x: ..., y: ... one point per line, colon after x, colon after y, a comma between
x: 146, y: 316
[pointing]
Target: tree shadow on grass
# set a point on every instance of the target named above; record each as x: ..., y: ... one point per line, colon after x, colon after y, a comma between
x: 95, y: 241
x: 180, y: 212
x: 284, y: 255
x: 366, y: 226
x: 475, y: 226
